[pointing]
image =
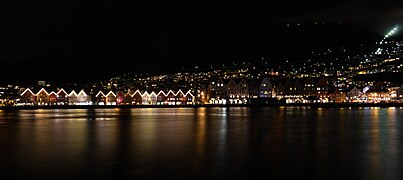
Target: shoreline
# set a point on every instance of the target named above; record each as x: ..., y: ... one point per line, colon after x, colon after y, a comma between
x: 311, y: 105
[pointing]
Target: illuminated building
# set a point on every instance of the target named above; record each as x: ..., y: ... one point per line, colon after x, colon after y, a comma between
x: 42, y: 97
x: 52, y: 98
x: 128, y: 99
x: 73, y: 98
x: 100, y: 98
x: 28, y: 97
x: 62, y: 97
x: 83, y: 98
x: 265, y: 89
x: 110, y: 98
x: 120, y: 97
x: 137, y: 98
x: 354, y: 95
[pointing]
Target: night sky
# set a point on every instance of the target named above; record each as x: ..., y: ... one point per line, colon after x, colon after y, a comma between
x: 96, y: 41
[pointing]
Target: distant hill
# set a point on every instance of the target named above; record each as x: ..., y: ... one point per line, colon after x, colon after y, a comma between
x: 245, y: 44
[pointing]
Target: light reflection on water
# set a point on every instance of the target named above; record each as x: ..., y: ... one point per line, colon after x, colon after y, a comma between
x: 202, y: 143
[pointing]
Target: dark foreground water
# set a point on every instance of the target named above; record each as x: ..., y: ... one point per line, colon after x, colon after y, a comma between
x: 202, y: 143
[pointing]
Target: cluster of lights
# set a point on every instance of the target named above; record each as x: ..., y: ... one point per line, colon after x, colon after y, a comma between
x: 389, y: 34
x: 392, y: 32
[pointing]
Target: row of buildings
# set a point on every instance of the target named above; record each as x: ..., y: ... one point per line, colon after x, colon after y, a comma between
x: 217, y: 91
x: 297, y: 90
x: 61, y: 97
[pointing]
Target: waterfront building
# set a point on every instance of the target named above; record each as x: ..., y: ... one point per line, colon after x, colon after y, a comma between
x: 42, y: 97
x: 293, y: 91
x: 128, y: 98
x: 354, y: 95
x: 53, y: 98
x: 137, y: 98
x: 171, y: 98
x: 28, y: 97
x: 162, y: 98
x: 217, y: 92
x: 309, y: 87
x: 265, y: 88
x: 322, y: 90
x: 145, y: 98
x: 179, y: 98
x: 120, y: 97
x: 337, y: 96
x: 100, y: 98
x: 189, y: 98
x: 232, y: 92
x: 111, y: 98
x: 83, y: 98
x: 73, y: 98
x: 243, y: 90
x: 153, y: 98
x: 62, y: 97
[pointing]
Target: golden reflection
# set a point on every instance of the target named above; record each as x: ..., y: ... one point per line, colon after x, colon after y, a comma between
x: 222, y: 111
x: 374, y: 143
x: 145, y: 129
x: 3, y: 117
x: 201, y: 130
x: 320, y: 112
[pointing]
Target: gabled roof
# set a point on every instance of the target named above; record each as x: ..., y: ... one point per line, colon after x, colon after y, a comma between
x: 354, y: 88
x: 170, y: 92
x: 61, y: 91
x: 128, y: 93
x: 27, y: 90
x: 82, y: 93
x: 145, y: 93
x: 111, y: 92
x: 153, y: 93
x: 52, y: 93
x: 161, y: 92
x: 137, y: 92
x: 100, y: 93
x: 189, y: 93
x: 42, y: 90
x: 73, y: 93
x: 180, y: 91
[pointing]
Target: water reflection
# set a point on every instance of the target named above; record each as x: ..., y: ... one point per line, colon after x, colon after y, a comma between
x: 202, y: 143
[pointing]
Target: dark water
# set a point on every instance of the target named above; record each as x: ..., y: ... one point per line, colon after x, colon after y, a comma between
x: 202, y: 143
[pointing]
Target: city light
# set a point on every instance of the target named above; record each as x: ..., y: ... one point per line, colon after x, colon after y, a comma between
x: 388, y: 35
